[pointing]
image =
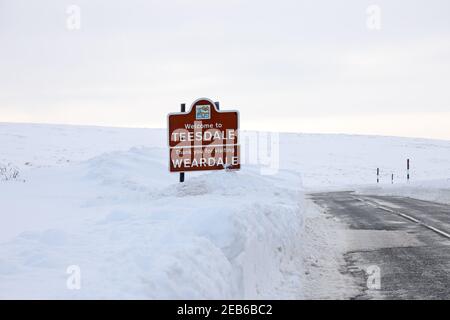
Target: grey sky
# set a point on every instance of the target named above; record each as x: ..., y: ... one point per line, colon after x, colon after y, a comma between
x: 286, y: 65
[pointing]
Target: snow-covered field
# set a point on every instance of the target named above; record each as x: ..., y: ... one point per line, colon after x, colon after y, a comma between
x: 433, y: 190
x: 102, y: 200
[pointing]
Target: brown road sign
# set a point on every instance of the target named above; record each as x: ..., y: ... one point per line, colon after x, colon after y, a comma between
x: 203, y: 138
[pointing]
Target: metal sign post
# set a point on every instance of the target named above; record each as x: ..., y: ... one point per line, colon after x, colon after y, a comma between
x: 183, y: 109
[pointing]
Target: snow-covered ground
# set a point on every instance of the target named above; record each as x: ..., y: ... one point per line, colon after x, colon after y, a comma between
x: 433, y: 190
x: 102, y: 199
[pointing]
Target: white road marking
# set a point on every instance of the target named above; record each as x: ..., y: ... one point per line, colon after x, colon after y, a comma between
x: 374, y: 204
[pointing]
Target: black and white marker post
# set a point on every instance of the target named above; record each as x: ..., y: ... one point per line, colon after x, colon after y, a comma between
x: 378, y: 175
x: 407, y: 170
x: 392, y: 179
x: 183, y: 109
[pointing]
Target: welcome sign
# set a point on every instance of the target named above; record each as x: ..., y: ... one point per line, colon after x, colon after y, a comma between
x: 203, y: 138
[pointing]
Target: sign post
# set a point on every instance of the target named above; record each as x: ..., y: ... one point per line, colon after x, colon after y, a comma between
x: 407, y: 170
x: 203, y: 138
x: 183, y: 109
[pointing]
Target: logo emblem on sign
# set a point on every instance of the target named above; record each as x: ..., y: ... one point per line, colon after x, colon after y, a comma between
x: 202, y: 112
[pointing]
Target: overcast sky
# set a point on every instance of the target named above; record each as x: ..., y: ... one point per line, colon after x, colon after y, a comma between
x: 287, y: 65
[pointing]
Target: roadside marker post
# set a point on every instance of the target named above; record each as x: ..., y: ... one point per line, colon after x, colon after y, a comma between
x: 407, y: 170
x: 378, y: 175
x: 392, y: 179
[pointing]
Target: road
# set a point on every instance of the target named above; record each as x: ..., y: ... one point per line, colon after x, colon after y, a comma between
x: 408, y: 240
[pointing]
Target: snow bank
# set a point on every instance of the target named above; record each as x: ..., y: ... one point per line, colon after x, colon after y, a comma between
x: 102, y: 199
x: 324, y: 241
x: 135, y: 232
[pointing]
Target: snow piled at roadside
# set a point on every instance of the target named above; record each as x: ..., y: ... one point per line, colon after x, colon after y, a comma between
x: 323, y: 265
x: 137, y: 234
x: 102, y: 199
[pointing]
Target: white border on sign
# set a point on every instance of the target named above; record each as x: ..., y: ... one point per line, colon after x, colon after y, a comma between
x: 192, y: 106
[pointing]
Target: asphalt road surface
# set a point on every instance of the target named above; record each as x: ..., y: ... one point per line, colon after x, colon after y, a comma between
x: 408, y: 240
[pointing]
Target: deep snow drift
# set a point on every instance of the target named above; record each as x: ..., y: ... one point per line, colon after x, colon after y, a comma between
x: 102, y: 199
x: 131, y: 229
